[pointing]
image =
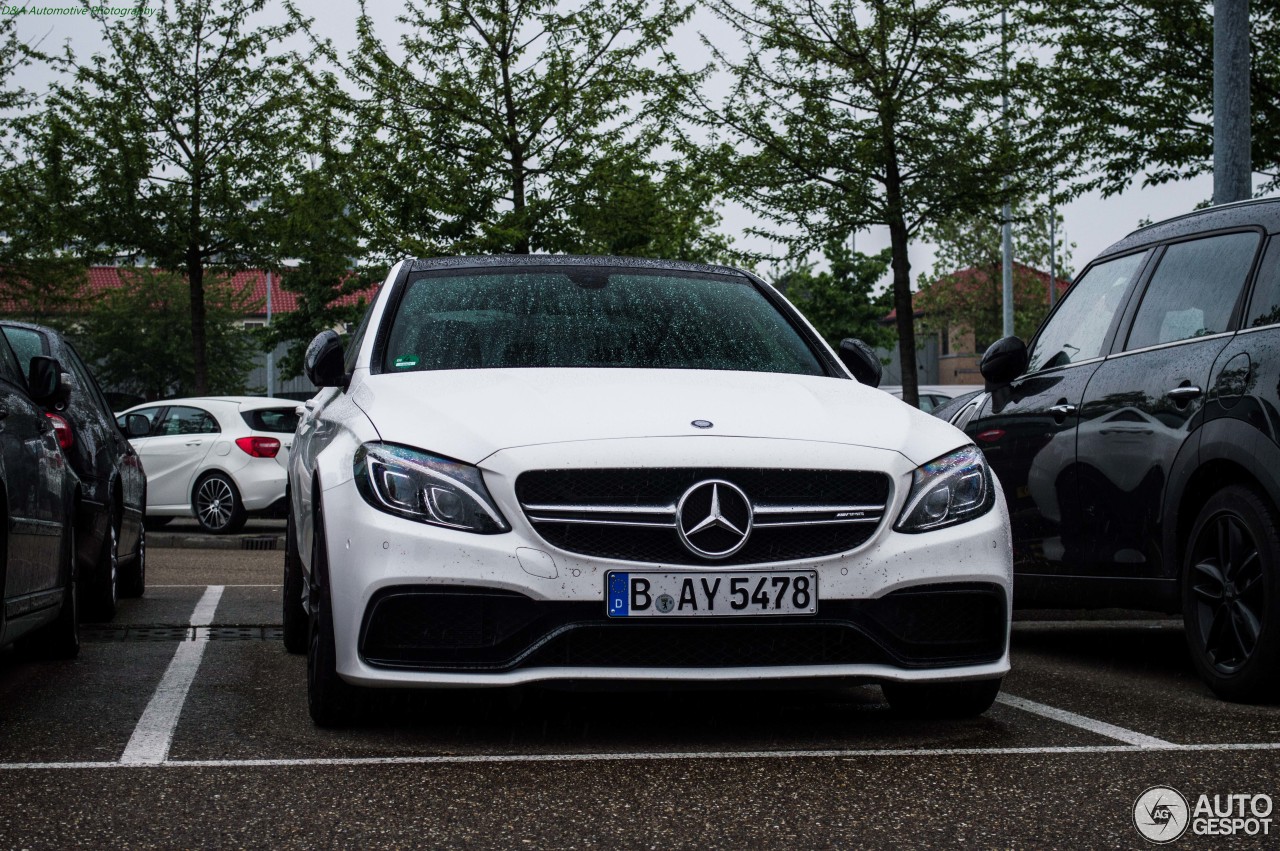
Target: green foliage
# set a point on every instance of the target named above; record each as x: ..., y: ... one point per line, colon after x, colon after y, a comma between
x: 137, y: 336
x: 844, y: 116
x: 521, y: 125
x: 1129, y: 90
x: 842, y: 302
x: 972, y: 302
x: 175, y: 133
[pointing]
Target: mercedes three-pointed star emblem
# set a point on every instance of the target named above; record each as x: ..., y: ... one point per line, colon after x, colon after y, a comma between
x: 714, y: 518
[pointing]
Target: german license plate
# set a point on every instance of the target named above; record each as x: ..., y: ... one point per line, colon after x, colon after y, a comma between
x: 721, y: 594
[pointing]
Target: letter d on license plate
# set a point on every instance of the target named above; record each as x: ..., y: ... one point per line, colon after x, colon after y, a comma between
x: 720, y: 594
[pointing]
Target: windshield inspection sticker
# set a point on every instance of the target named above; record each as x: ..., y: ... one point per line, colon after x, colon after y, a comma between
x: 406, y: 361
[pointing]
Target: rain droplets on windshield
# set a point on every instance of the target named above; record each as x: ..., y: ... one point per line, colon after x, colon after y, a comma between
x: 591, y: 317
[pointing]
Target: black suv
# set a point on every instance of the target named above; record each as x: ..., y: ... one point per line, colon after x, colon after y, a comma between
x: 38, y: 492
x: 1137, y: 439
x: 111, y: 549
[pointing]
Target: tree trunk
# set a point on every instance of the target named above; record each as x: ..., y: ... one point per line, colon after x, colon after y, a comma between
x: 899, y: 242
x: 199, y: 359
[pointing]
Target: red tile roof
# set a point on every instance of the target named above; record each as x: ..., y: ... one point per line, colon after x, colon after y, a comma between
x: 972, y: 276
x: 100, y: 279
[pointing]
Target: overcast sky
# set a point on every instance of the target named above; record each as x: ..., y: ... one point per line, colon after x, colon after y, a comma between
x: 1091, y: 222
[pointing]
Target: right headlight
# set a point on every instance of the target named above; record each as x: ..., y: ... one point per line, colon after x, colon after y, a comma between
x: 948, y: 490
x: 426, y: 488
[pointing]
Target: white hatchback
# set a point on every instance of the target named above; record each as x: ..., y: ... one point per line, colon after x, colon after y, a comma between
x: 217, y: 458
x: 566, y: 468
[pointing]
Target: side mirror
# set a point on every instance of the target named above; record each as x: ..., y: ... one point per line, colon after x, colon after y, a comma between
x: 1003, y: 361
x: 861, y: 361
x: 323, y: 361
x: 44, y: 380
x: 136, y: 425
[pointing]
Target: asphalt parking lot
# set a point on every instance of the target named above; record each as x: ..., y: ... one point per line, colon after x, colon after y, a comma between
x: 184, y: 724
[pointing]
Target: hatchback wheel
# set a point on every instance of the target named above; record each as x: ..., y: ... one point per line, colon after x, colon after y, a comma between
x: 1230, y: 602
x: 217, y: 505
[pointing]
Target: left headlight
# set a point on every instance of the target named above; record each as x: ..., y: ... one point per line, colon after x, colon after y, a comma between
x: 948, y: 490
x: 426, y: 488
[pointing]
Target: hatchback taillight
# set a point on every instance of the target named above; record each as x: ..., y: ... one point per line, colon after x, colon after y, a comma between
x: 62, y: 429
x: 259, y: 447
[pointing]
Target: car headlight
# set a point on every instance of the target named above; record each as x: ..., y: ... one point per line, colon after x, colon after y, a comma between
x: 426, y: 488
x: 948, y: 490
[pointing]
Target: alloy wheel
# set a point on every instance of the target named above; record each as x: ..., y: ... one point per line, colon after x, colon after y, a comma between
x: 215, y: 502
x: 1228, y: 592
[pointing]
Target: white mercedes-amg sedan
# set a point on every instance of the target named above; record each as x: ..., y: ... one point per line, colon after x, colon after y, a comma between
x: 547, y: 468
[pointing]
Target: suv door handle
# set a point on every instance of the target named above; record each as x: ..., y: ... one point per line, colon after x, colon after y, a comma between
x: 1184, y: 394
x: 1063, y: 410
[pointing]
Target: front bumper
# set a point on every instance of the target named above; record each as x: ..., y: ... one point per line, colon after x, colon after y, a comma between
x: 418, y: 605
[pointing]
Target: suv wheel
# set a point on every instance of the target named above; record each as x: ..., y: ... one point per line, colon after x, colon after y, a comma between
x: 1230, y: 601
x: 104, y: 590
x: 217, y: 505
x: 942, y: 700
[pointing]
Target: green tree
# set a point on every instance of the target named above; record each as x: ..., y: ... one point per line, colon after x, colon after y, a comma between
x: 137, y: 335
x: 1128, y: 93
x: 179, y: 128
x: 842, y: 302
x: 39, y: 278
x: 965, y: 287
x: 496, y: 122
x: 848, y: 115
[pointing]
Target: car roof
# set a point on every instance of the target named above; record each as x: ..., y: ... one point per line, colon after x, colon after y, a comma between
x: 570, y: 260
x: 1264, y: 212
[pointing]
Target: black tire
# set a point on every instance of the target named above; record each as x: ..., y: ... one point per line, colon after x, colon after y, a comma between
x: 133, y: 574
x: 332, y: 701
x: 61, y: 638
x: 294, y: 615
x: 216, y: 503
x: 942, y: 700
x: 153, y: 522
x: 104, y: 586
x: 1230, y: 595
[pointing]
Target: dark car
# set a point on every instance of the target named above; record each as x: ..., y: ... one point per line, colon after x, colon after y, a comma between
x: 111, y: 548
x: 1136, y: 439
x: 37, y: 573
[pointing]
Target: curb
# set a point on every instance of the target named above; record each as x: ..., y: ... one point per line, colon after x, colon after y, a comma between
x: 169, y: 540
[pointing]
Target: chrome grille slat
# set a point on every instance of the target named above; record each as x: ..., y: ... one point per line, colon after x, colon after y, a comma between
x: 631, y: 514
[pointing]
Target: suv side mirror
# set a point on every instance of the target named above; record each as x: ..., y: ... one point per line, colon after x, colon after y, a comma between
x: 1003, y: 361
x: 861, y: 361
x: 323, y: 361
x: 44, y: 381
x: 136, y: 425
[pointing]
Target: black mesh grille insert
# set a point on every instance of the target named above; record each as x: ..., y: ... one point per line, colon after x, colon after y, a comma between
x: 649, y: 487
x: 453, y: 628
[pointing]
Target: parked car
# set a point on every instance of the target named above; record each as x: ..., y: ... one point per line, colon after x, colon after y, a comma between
x: 218, y: 458
x: 110, y: 541
x: 1138, y: 443
x: 560, y: 468
x: 934, y: 396
x: 38, y: 572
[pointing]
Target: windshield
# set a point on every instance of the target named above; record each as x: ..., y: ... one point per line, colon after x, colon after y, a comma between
x: 591, y: 317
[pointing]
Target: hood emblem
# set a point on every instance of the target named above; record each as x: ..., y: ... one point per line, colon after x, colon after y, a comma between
x: 702, y: 424
x: 714, y: 518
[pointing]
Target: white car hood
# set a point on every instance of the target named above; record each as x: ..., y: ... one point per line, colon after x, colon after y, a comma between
x: 470, y: 414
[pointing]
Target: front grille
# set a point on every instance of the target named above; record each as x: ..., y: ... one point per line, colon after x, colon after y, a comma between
x: 630, y: 514
x: 450, y: 628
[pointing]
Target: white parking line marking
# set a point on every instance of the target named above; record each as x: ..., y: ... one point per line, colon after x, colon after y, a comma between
x: 149, y: 744
x: 474, y: 759
x: 1102, y: 728
x: 152, y: 585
